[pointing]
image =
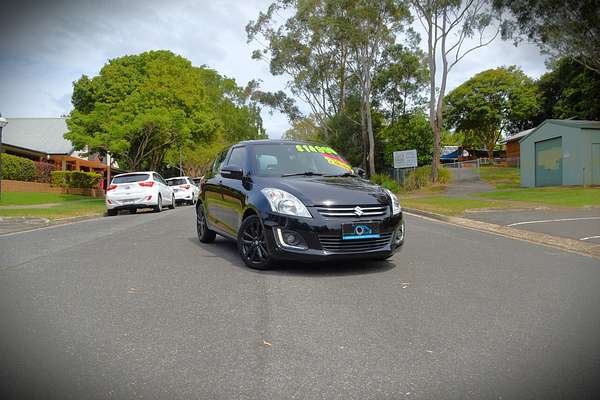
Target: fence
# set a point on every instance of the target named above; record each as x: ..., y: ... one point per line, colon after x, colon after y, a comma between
x: 21, y: 186
x: 464, y: 170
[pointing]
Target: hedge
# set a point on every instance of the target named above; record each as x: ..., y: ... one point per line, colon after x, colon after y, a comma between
x: 75, y: 179
x: 17, y: 168
x: 386, y: 182
x: 43, y: 171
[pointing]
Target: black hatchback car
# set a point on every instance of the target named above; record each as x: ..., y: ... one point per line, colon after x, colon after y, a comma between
x: 289, y: 200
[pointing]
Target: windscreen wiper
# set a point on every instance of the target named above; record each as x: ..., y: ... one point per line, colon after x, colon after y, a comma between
x: 307, y: 173
x: 342, y: 175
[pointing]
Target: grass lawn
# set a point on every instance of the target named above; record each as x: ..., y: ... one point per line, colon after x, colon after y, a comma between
x: 501, y: 177
x: 30, y: 198
x: 447, y: 205
x: 558, y: 196
x: 59, y: 205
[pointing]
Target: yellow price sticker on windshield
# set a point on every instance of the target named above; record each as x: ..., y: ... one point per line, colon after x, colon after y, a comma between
x: 309, y: 148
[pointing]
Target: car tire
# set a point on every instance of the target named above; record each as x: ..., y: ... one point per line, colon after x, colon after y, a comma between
x: 158, y: 208
x: 112, y: 213
x: 172, y: 205
x: 252, y: 244
x: 204, y: 234
x: 133, y: 211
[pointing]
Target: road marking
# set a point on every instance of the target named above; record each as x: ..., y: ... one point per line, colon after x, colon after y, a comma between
x: 590, y: 237
x: 552, y: 220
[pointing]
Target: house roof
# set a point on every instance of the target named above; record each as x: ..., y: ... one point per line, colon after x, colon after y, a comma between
x: 518, y: 136
x: 571, y: 123
x: 39, y: 134
x: 582, y: 124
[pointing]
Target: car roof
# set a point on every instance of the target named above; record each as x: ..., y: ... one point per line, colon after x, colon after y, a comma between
x: 277, y: 141
x: 135, y: 173
x: 178, y: 177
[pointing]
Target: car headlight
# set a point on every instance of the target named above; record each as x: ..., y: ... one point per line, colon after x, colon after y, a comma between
x: 395, y: 202
x: 285, y: 203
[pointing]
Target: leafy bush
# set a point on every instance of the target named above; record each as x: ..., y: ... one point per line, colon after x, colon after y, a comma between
x: 17, y: 168
x: 43, y: 171
x: 421, y: 177
x: 75, y: 179
x: 386, y: 182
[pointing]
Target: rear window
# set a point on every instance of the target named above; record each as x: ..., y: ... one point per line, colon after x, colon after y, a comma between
x: 130, y: 178
x: 176, y: 182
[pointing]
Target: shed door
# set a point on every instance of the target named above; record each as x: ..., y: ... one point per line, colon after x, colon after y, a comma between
x: 548, y: 162
x: 596, y: 163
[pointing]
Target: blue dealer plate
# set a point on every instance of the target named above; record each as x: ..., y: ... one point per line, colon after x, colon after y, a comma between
x: 359, y: 231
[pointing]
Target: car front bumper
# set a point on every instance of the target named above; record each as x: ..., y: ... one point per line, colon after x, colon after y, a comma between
x: 322, y: 238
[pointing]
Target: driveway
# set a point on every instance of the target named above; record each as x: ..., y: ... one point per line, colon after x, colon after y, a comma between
x: 135, y: 307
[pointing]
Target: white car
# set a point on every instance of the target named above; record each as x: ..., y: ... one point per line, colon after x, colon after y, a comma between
x: 138, y: 190
x: 185, y: 189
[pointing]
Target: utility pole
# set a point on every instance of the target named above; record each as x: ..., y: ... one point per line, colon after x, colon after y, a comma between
x: 3, y: 123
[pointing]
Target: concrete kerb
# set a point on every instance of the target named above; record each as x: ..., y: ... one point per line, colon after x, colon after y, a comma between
x: 566, y: 244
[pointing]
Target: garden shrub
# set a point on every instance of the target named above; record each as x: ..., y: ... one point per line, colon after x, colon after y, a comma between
x: 75, y: 179
x: 43, y: 172
x: 17, y: 168
x: 421, y: 177
x: 386, y: 182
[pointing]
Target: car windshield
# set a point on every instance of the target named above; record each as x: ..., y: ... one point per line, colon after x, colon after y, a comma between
x: 289, y: 159
x: 130, y: 178
x: 177, y: 181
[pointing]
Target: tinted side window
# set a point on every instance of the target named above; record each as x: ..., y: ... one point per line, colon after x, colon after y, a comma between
x: 219, y: 162
x: 238, y: 157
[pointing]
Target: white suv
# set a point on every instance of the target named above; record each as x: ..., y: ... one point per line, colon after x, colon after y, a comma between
x: 185, y: 189
x: 138, y: 190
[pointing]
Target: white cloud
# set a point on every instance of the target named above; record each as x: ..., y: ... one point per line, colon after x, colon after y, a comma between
x: 47, y: 46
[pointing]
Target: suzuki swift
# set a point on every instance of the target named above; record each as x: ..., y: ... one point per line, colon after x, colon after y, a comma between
x: 287, y: 200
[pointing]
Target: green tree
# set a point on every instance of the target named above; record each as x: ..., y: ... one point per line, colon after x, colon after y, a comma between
x: 493, y: 103
x: 304, y: 129
x: 141, y: 107
x: 400, y: 83
x: 448, y: 23
x: 410, y: 131
x: 330, y: 49
x: 559, y: 28
x: 570, y: 90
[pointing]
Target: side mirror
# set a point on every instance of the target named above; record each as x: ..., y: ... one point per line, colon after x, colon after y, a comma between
x: 232, y: 172
x: 359, y: 171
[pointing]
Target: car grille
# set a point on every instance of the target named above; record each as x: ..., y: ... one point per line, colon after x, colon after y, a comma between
x: 353, y: 211
x: 335, y: 244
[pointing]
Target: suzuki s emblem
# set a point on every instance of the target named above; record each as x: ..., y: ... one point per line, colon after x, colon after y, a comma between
x: 358, y: 211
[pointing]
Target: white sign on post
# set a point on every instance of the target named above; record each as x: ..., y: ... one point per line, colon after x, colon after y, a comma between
x: 405, y: 159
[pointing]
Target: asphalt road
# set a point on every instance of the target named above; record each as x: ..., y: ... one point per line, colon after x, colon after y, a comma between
x: 135, y: 307
x: 582, y: 223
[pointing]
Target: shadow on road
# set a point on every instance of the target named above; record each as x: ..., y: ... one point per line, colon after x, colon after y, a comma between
x: 227, y: 249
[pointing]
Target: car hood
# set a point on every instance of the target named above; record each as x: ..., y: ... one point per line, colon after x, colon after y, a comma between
x: 330, y: 191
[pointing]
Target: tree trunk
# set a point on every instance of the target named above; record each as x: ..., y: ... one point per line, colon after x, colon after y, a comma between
x: 365, y: 136
x: 371, y: 138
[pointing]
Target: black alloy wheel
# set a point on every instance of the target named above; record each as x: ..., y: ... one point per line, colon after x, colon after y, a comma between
x: 204, y: 234
x: 252, y: 244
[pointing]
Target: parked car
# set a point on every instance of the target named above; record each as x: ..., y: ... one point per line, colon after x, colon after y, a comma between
x: 197, y: 180
x: 185, y: 189
x: 290, y: 200
x: 136, y: 190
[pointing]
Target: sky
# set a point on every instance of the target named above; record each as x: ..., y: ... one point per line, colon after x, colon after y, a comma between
x: 47, y: 45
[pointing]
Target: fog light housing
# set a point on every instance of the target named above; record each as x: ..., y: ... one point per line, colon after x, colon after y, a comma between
x: 290, y: 239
